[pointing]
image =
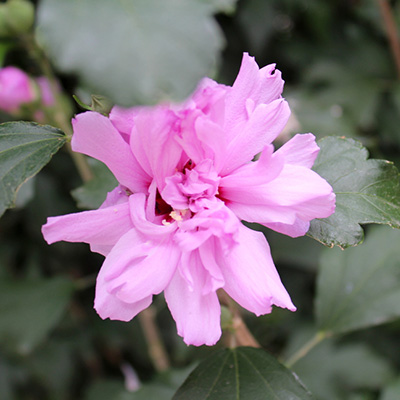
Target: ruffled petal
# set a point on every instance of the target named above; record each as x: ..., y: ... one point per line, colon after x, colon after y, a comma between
x: 149, y: 229
x: 137, y: 267
x: 104, y: 226
x: 298, y: 228
x: 153, y: 143
x: 95, y: 136
x: 301, y: 150
x: 260, y: 85
x: 250, y: 275
x: 256, y: 173
x: 123, y: 119
x: 297, y: 192
x: 109, y: 306
x: 249, y: 138
x: 197, y: 315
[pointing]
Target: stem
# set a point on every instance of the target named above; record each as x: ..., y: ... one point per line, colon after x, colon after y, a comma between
x: 306, y: 348
x: 391, y: 31
x: 152, y: 334
x: 241, y: 335
x: 59, y: 117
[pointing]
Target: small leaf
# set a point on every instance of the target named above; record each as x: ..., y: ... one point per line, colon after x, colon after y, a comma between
x: 30, y: 309
x: 155, y: 49
x: 367, y: 191
x: 92, y: 194
x: 241, y: 374
x: 360, y: 287
x: 25, y: 148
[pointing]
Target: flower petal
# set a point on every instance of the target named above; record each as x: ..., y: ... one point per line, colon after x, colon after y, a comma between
x: 137, y: 268
x: 123, y: 119
x: 249, y: 138
x: 297, y: 192
x: 250, y: 275
x: 153, y: 143
x: 197, y: 315
x: 300, y: 150
x: 295, y: 229
x: 256, y: 173
x: 260, y: 85
x: 95, y: 136
x: 109, y: 306
x: 97, y: 227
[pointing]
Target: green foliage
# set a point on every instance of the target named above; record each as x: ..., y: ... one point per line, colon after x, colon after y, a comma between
x: 92, y: 194
x: 241, y: 373
x: 25, y: 148
x: 343, y: 369
x: 367, y: 191
x: 30, y: 309
x: 392, y: 392
x: 157, y: 49
x: 360, y: 287
x: 340, y: 80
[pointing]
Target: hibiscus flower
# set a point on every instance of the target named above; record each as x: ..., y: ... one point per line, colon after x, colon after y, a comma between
x: 187, y: 179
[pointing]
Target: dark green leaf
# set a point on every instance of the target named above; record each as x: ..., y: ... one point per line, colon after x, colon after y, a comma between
x: 30, y: 309
x: 155, y: 49
x: 367, y: 191
x: 92, y: 194
x: 25, y: 148
x: 241, y: 373
x: 360, y: 287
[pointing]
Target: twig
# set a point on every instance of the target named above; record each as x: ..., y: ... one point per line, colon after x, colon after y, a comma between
x: 306, y: 348
x: 391, y: 31
x: 59, y: 116
x: 241, y: 335
x: 152, y: 334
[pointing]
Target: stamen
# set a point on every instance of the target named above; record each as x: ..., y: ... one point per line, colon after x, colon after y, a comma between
x: 176, y: 215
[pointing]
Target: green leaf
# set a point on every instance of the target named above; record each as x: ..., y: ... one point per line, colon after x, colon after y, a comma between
x: 367, y: 191
x: 92, y: 194
x: 30, y: 309
x: 155, y: 49
x: 392, y: 392
x: 241, y: 373
x: 25, y: 148
x: 360, y: 287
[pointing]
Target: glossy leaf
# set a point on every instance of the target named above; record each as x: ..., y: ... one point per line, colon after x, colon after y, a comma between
x: 92, y: 194
x: 155, y: 49
x: 30, y: 309
x: 360, y: 287
x: 240, y: 374
x: 367, y: 191
x: 25, y: 148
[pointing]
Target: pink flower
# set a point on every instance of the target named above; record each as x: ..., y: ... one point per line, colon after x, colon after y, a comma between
x: 187, y: 179
x: 15, y: 89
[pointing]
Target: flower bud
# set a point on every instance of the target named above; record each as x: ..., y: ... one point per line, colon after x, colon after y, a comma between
x: 16, y: 89
x: 16, y: 17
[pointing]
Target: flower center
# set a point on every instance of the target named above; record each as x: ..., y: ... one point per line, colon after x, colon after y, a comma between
x: 193, y: 189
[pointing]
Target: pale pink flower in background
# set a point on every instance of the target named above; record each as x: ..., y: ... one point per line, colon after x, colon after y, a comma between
x: 187, y: 179
x: 46, y: 94
x: 15, y: 89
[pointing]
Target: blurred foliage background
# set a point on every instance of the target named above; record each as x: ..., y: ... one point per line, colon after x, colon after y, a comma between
x: 341, y: 79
